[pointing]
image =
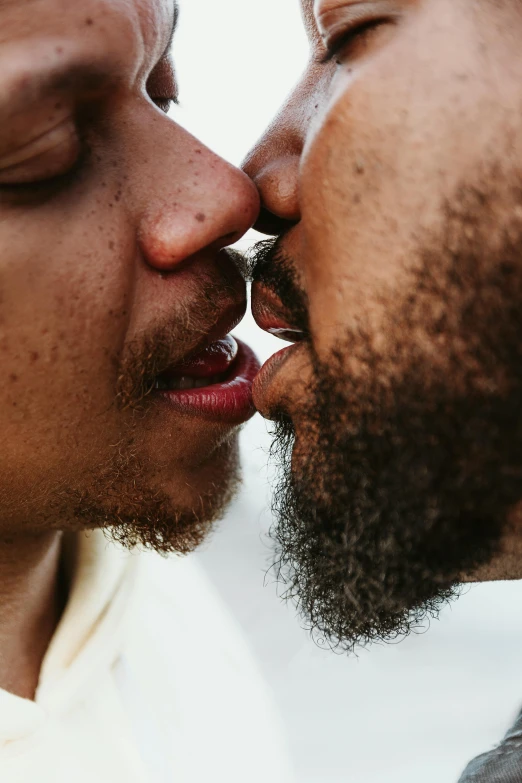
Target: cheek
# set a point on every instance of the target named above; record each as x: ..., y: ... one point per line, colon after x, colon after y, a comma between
x: 376, y: 173
x: 348, y: 216
x: 65, y: 284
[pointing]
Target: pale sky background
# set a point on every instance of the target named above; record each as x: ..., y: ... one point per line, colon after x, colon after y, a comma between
x: 416, y: 711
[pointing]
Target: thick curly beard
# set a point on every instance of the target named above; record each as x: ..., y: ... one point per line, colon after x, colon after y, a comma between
x: 402, y: 473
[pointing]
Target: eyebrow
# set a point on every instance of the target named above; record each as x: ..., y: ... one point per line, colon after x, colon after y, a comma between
x: 26, y: 88
x: 175, y: 19
x: 79, y: 76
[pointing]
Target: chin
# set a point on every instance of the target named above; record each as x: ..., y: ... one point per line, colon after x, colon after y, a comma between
x: 168, y: 506
x: 202, y: 476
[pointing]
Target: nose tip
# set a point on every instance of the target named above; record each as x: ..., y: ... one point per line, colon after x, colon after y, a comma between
x: 277, y: 183
x: 224, y: 206
x: 244, y: 209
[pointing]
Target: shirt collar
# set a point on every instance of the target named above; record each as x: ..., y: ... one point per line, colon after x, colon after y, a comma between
x: 88, y: 635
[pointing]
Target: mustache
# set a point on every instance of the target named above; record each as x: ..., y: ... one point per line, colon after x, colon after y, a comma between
x: 268, y: 264
x: 167, y: 344
x: 263, y: 258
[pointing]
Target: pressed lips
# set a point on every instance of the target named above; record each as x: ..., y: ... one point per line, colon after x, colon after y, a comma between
x: 216, y: 383
x: 269, y: 313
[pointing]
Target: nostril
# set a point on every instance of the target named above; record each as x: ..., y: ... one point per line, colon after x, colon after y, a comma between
x: 273, y: 225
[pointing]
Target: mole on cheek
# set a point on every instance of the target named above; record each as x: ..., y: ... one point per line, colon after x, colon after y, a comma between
x: 201, y: 217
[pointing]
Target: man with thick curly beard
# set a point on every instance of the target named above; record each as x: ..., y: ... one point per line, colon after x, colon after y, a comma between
x: 391, y: 180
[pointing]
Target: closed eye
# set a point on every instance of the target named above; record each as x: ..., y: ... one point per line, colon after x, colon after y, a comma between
x: 165, y: 104
x: 353, y: 42
x: 44, y: 164
x: 161, y: 85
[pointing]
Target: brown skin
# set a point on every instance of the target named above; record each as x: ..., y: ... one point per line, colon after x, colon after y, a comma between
x: 320, y: 165
x: 360, y: 162
x: 91, y: 266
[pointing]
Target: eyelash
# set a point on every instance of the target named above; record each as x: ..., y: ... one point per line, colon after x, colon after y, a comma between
x: 165, y: 104
x: 341, y: 41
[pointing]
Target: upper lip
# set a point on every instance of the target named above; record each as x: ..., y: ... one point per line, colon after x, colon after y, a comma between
x: 271, y: 314
x: 230, y: 317
x: 233, y: 305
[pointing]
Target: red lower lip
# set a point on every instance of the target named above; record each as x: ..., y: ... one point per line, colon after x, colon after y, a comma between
x: 229, y: 402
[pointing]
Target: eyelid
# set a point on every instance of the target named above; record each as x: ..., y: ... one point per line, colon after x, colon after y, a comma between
x: 165, y: 99
x: 162, y: 84
x: 48, y: 155
x: 333, y: 19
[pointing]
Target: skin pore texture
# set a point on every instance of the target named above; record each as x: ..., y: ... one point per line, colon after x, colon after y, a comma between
x: 392, y: 180
x: 113, y: 221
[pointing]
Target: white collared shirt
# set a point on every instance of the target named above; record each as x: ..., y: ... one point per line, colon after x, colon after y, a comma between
x: 146, y: 680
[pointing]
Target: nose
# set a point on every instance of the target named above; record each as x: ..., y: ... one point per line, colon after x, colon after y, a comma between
x: 273, y: 166
x: 189, y: 199
x: 274, y: 162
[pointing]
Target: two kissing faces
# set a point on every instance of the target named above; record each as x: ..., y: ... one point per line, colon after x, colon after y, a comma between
x: 389, y: 189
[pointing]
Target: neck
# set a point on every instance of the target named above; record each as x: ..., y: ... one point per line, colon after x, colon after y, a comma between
x: 30, y: 606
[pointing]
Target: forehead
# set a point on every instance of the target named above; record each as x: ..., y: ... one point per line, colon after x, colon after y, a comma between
x: 51, y: 47
x: 140, y: 21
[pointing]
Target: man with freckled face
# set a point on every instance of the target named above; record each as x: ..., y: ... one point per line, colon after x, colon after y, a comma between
x: 391, y: 183
x: 121, y: 400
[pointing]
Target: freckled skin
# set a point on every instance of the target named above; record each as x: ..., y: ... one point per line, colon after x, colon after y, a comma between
x: 85, y: 274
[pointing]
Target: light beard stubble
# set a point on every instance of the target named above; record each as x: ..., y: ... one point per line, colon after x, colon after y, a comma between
x: 125, y: 505
x: 122, y: 496
x: 402, y: 478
